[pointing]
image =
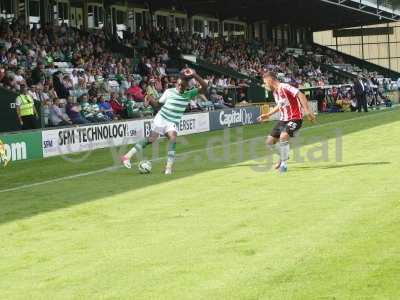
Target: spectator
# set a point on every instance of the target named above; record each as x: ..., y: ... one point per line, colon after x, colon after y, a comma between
x: 26, y: 110
x: 136, y: 92
x: 152, y: 91
x: 228, y: 100
x: 242, y: 97
x: 142, y: 67
x: 87, y: 109
x: 306, y: 85
x: 98, y: 114
x: 13, y: 61
x: 3, y: 56
x: 74, y: 112
x: 132, y: 109
x: 59, y: 87
x: 194, y: 106
x: 94, y: 66
x: 2, y: 74
x: 216, y: 99
x: 161, y: 69
x: 222, y: 82
x: 19, y: 78
x: 105, y: 108
x: 360, y: 91
x: 38, y: 75
x: 57, y: 118
x: 74, y: 79
x: 164, y: 56
x: 33, y: 92
x: 93, y: 90
x: 51, y: 91
x: 67, y: 82
x: 116, y: 105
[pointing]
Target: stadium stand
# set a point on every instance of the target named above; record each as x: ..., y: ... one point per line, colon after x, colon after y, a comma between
x: 104, y: 77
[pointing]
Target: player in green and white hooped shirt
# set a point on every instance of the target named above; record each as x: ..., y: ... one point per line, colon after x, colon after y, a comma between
x: 175, y: 101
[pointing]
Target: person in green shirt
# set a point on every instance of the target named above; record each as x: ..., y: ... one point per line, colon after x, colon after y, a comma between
x: 86, y: 108
x: 95, y: 109
x: 132, y: 110
x: 152, y: 91
x: 166, y: 122
x: 307, y: 92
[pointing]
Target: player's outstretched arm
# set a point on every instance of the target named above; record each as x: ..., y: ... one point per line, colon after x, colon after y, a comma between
x: 306, y: 106
x: 265, y: 117
x: 192, y: 73
x: 203, y: 84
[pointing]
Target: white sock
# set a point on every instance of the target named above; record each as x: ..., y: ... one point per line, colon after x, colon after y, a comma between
x: 170, y: 159
x: 131, y: 152
x: 284, y: 151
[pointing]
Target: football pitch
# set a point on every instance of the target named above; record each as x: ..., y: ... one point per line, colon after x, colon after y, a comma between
x: 223, y: 226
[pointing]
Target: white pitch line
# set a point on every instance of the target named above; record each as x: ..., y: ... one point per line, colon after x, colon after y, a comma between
x: 58, y: 179
x: 113, y: 168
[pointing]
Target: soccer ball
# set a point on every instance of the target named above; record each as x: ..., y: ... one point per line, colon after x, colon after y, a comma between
x: 145, y: 167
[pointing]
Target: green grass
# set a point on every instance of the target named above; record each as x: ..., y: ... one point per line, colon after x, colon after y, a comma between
x: 215, y: 229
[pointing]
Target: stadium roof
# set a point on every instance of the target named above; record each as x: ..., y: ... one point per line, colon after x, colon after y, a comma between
x: 315, y: 14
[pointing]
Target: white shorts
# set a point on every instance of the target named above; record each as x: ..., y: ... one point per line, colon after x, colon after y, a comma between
x: 162, y: 126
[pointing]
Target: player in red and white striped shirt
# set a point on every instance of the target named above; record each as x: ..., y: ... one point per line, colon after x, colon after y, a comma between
x: 291, y: 103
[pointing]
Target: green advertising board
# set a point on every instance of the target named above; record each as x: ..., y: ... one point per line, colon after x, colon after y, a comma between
x: 23, y: 145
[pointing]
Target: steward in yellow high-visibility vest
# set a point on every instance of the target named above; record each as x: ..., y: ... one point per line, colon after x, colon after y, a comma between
x: 26, y: 110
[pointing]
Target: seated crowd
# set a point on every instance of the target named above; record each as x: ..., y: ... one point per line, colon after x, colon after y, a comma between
x: 248, y: 58
x: 78, y: 81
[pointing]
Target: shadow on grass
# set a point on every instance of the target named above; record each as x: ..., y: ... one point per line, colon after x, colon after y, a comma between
x: 40, y: 199
x: 339, y: 166
x: 296, y: 168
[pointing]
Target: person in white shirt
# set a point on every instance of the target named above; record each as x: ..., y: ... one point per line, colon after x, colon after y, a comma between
x: 89, y: 77
x: 221, y: 82
x: 398, y: 84
x: 12, y: 61
x: 164, y: 56
x: 44, y: 95
x: 57, y: 118
x: 149, y: 65
x: 33, y: 92
x: 74, y: 78
x: 19, y: 78
x: 161, y: 69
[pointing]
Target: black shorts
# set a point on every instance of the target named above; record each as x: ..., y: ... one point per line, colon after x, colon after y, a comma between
x: 286, y: 126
